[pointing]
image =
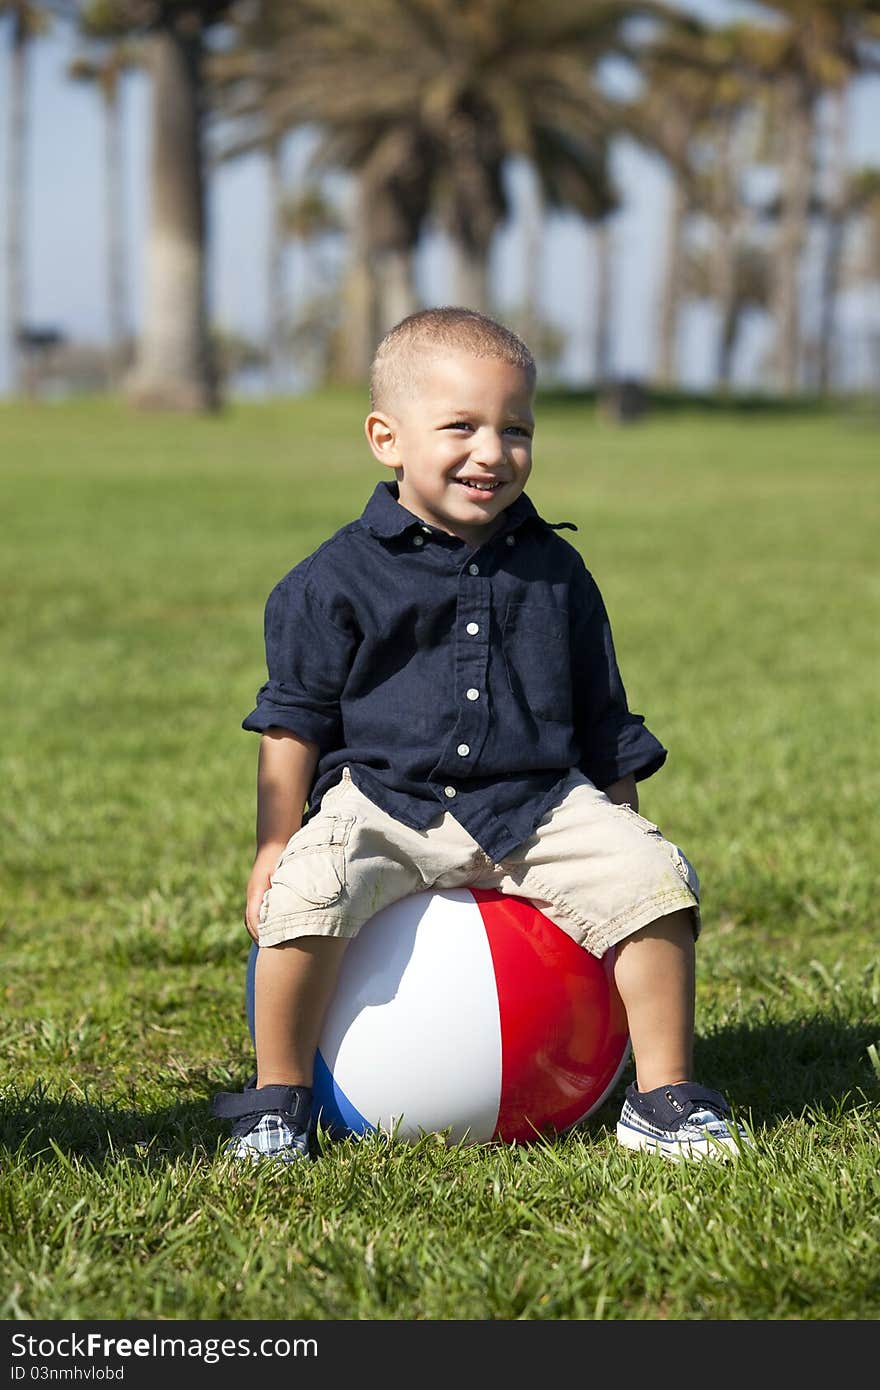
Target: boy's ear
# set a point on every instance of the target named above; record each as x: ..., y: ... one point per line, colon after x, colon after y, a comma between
x: 381, y: 432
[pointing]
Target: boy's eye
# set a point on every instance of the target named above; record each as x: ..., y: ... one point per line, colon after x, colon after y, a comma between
x: 509, y: 429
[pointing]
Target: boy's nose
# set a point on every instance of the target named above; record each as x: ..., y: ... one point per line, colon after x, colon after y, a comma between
x: 487, y: 447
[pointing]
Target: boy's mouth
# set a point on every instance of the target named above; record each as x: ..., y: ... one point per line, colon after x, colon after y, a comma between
x: 478, y: 486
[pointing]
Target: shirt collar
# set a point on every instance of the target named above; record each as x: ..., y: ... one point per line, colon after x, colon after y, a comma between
x: 385, y: 517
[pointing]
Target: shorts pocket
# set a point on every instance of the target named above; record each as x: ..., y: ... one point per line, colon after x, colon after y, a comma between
x: 535, y: 641
x: 312, y: 867
x: 682, y: 864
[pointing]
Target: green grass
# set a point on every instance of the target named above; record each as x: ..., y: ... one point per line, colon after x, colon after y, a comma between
x: 737, y: 554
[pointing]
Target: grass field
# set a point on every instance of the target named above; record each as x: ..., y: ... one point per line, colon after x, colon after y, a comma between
x: 738, y: 556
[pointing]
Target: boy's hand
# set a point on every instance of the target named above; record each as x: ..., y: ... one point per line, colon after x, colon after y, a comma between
x: 285, y: 774
x: 258, y: 885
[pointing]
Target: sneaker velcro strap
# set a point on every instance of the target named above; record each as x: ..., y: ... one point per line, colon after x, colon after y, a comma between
x: 295, y: 1101
x: 670, y: 1106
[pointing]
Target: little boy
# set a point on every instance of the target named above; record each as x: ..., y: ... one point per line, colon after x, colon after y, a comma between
x: 444, y: 696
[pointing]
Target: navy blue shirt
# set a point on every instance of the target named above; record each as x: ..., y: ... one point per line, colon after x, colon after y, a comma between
x: 449, y: 678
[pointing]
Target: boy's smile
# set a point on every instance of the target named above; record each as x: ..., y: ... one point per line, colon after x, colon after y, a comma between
x: 460, y: 442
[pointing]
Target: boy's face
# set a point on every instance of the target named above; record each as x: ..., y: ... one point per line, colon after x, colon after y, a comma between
x: 460, y: 444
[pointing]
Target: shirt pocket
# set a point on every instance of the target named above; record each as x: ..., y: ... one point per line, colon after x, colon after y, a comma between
x: 312, y: 867
x: 535, y: 642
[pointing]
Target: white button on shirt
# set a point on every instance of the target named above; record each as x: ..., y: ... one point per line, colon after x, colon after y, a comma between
x: 473, y: 693
x: 463, y: 750
x: 473, y: 629
x: 511, y: 540
x: 473, y: 569
x: 418, y: 540
x: 449, y: 791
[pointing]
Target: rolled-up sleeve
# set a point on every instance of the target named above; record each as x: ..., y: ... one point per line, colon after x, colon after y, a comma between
x: 613, y: 740
x: 308, y: 658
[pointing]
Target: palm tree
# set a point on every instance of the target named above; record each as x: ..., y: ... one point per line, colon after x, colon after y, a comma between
x: 750, y: 274
x: 860, y: 24
x: 105, y: 70
x: 237, y: 91
x: 861, y: 208
x: 174, y: 367
x: 246, y: 79
x: 663, y: 119
x: 867, y: 183
x: 818, y: 47
x: 391, y: 199
x: 26, y: 20
x: 578, y: 177
x: 836, y: 212
x: 310, y: 219
x: 425, y: 101
x: 689, y: 112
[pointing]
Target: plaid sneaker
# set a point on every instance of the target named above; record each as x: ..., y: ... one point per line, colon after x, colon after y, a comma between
x: 684, y: 1121
x: 269, y: 1122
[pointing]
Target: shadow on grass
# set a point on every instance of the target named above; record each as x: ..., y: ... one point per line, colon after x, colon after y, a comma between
x: 772, y: 1071
x: 99, y: 1132
x: 776, y: 1070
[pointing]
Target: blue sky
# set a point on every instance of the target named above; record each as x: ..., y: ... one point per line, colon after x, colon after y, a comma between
x: 65, y: 281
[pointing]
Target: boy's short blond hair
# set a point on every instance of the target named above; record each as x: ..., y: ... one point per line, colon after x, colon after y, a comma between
x: 422, y: 335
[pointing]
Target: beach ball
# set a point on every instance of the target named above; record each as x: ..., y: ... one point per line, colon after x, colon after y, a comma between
x: 469, y: 1014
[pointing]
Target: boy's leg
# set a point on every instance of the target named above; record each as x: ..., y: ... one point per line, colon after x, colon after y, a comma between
x: 665, y: 1110
x: 609, y: 879
x: 293, y: 985
x: 347, y: 864
x: 600, y: 871
x: 272, y: 1117
x: 654, y: 974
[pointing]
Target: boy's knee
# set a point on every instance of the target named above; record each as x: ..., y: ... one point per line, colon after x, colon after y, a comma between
x: 679, y: 927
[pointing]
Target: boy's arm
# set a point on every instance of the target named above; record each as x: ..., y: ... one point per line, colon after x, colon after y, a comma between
x: 624, y: 792
x: 285, y: 774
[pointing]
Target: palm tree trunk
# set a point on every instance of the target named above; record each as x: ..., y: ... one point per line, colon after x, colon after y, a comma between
x: 174, y: 368
x: 471, y: 276
x: 602, y: 321
x: 534, y: 217
x: 724, y: 259
x: 278, y: 316
x: 358, y: 335
x: 15, y: 212
x: 116, y: 278
x: 796, y: 183
x: 672, y: 288
x: 395, y: 289
x: 727, y: 332
x: 835, y: 226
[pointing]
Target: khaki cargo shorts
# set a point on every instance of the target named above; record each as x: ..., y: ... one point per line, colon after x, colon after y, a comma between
x: 597, y: 870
